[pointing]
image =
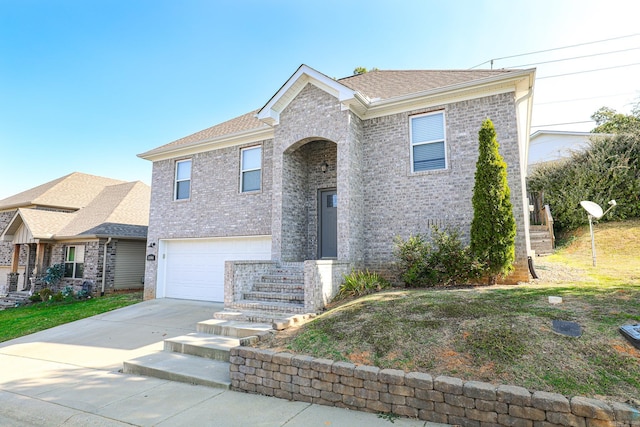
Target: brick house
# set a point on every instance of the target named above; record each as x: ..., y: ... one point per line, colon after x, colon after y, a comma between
x: 323, y: 178
x: 95, y: 226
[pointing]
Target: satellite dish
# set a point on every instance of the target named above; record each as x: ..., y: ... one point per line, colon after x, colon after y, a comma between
x: 592, y: 209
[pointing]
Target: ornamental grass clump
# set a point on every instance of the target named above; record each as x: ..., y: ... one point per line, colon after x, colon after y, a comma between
x: 359, y: 283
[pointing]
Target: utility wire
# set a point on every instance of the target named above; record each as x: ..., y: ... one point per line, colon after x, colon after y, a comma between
x: 553, y: 49
x: 561, y: 124
x: 575, y: 57
x: 588, y: 71
x: 585, y: 99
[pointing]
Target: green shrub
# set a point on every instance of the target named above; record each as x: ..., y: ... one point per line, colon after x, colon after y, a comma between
x: 35, y: 297
x: 359, y: 283
x: 442, y: 261
x: 67, y: 293
x: 53, y: 274
x: 493, y: 229
x: 57, y: 297
x: 608, y: 169
x: 45, y: 294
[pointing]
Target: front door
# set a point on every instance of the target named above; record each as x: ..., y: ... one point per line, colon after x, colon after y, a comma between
x: 328, y: 228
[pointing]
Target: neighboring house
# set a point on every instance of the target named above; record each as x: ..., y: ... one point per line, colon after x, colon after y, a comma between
x: 552, y: 145
x: 95, y: 226
x: 326, y: 175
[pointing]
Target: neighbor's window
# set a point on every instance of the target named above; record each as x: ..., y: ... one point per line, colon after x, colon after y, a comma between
x: 183, y: 179
x: 74, y: 262
x: 428, y: 142
x: 250, y: 168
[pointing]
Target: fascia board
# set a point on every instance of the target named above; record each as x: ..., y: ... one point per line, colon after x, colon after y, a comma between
x: 224, y: 141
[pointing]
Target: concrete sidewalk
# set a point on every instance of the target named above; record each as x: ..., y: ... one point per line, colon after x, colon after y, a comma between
x: 69, y: 375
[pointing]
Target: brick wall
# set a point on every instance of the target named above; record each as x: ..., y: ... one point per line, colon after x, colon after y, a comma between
x: 216, y: 207
x: 400, y: 203
x: 417, y: 395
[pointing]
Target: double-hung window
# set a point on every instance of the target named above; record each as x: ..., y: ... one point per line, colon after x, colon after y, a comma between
x: 183, y: 180
x: 74, y: 262
x: 250, y: 169
x: 428, y: 150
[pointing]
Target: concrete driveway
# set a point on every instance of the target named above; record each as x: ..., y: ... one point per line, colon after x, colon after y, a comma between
x: 69, y: 376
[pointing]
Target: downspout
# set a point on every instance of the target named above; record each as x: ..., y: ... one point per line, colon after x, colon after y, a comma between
x: 104, y: 265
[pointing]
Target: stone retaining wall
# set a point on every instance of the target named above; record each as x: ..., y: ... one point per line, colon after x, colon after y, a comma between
x: 416, y: 395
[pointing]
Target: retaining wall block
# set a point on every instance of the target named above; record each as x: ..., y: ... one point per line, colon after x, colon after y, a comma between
x: 365, y: 372
x: 391, y: 376
x: 419, y: 380
x: 513, y: 395
x: 591, y: 408
x: 550, y: 401
x: 479, y: 390
x: 448, y: 385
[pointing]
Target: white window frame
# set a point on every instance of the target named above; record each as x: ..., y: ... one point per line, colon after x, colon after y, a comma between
x: 413, y: 144
x: 177, y: 180
x: 243, y: 170
x: 78, y: 251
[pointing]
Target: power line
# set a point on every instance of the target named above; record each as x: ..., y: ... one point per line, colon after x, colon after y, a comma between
x: 575, y: 57
x: 562, y: 124
x: 585, y: 99
x: 588, y: 71
x: 553, y: 49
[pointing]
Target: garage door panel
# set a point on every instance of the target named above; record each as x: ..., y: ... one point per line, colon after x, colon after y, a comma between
x: 194, y: 269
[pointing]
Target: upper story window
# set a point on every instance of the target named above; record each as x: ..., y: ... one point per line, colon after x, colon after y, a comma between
x: 250, y: 169
x: 74, y: 262
x: 183, y: 180
x: 428, y: 150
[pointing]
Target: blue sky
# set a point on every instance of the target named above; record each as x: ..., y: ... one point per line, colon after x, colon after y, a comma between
x: 87, y: 85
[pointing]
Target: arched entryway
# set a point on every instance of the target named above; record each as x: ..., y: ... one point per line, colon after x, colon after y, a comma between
x: 310, y: 201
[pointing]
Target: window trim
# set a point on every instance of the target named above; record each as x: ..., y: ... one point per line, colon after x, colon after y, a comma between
x: 443, y: 140
x: 78, y: 250
x: 176, y: 180
x: 242, y: 170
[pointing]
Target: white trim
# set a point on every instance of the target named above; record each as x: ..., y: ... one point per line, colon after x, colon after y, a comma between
x: 176, y: 180
x: 443, y: 140
x: 242, y: 170
x: 270, y: 113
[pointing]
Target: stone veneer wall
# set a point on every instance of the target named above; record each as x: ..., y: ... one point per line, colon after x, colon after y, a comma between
x: 417, y: 395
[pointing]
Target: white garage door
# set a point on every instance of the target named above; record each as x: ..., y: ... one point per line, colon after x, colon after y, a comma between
x: 194, y: 268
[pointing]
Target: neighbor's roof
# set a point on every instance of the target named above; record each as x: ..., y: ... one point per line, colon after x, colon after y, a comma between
x: 376, y: 85
x: 73, y: 191
x: 120, y: 210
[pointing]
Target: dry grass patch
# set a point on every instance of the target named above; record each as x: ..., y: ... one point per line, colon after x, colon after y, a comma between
x: 501, y: 334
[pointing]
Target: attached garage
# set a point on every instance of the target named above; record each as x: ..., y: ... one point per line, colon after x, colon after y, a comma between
x: 194, y: 268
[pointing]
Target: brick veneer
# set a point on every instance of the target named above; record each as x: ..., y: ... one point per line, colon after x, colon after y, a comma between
x: 417, y: 395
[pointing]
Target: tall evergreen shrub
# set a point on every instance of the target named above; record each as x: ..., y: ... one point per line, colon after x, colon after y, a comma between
x: 493, y: 229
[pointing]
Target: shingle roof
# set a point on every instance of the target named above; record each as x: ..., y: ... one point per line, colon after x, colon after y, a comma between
x: 242, y: 123
x: 385, y: 84
x: 375, y: 85
x: 120, y: 210
x: 72, y: 191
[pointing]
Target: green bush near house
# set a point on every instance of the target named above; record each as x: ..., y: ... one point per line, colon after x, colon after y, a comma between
x: 359, y: 283
x: 442, y: 260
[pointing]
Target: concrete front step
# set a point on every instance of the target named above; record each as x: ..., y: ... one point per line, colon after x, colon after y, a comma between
x: 202, y: 345
x: 284, y: 297
x: 230, y: 314
x: 231, y: 328
x: 278, y: 287
x: 283, y: 278
x: 278, y: 309
x: 182, y: 368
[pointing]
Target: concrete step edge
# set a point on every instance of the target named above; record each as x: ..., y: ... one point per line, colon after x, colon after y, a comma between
x: 181, y: 368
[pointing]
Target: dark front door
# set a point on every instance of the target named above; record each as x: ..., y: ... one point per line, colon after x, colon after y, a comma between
x: 328, y: 229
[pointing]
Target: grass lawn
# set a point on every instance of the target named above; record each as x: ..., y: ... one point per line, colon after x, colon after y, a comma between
x: 503, y: 334
x: 31, y: 318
